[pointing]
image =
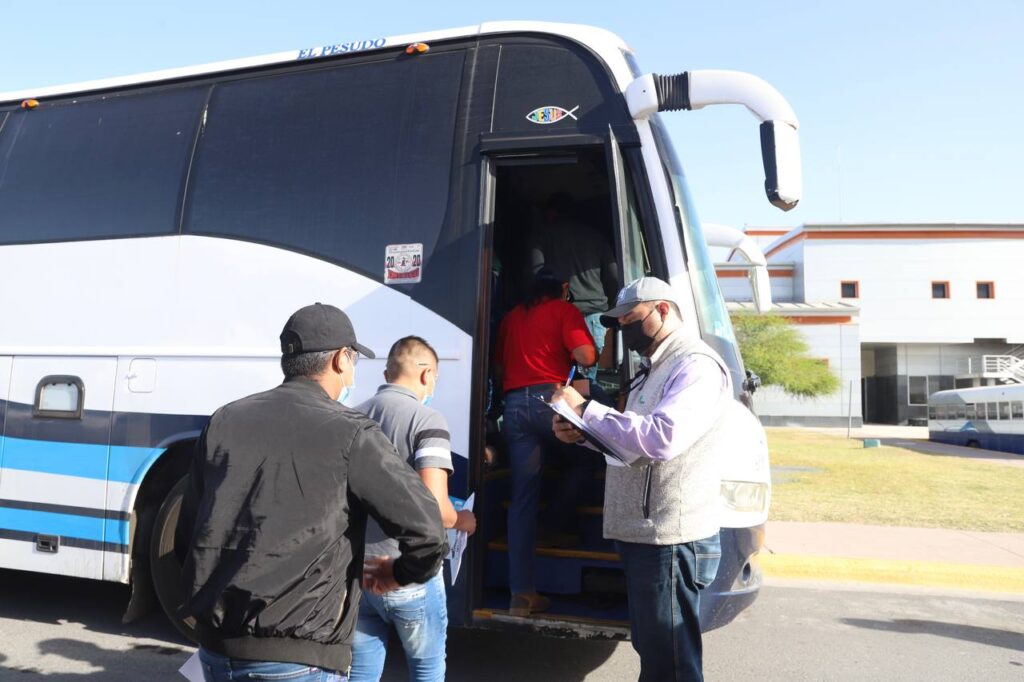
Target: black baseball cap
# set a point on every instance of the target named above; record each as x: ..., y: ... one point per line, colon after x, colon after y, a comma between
x: 319, y: 327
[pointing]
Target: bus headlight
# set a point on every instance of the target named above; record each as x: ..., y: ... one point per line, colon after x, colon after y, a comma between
x: 744, y: 496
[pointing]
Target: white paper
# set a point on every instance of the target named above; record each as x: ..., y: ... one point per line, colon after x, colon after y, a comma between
x: 457, y: 541
x: 612, y: 456
x: 193, y: 669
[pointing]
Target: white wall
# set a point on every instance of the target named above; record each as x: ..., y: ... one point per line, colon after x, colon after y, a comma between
x: 738, y: 288
x: 840, y: 345
x: 895, y: 278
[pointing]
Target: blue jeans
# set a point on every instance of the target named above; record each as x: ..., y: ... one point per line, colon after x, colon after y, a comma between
x: 217, y: 668
x: 663, y: 584
x: 419, y: 614
x: 530, y: 439
x: 597, y: 330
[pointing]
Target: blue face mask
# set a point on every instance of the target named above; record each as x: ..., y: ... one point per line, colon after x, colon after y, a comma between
x: 346, y: 392
x: 427, y: 399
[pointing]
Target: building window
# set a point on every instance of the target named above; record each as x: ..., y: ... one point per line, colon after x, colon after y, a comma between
x: 917, y: 391
x: 986, y: 289
x: 849, y: 290
x: 940, y: 289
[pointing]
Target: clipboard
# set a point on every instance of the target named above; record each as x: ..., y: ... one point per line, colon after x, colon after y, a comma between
x: 562, y: 409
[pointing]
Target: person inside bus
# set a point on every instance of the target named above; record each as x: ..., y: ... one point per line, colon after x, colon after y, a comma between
x: 279, y: 484
x: 418, y: 612
x: 538, y: 342
x: 662, y: 499
x: 566, y: 245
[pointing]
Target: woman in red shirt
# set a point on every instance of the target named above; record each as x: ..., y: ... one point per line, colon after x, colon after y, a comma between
x: 538, y: 341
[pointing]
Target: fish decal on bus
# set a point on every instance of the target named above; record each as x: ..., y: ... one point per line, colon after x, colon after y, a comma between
x: 550, y: 114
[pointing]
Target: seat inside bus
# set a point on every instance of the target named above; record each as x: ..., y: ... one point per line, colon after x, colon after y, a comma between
x: 576, y: 567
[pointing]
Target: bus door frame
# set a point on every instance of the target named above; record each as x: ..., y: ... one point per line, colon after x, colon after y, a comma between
x: 523, y: 149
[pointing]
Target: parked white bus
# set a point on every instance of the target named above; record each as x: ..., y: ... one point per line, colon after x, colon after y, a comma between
x: 990, y: 417
x: 157, y: 230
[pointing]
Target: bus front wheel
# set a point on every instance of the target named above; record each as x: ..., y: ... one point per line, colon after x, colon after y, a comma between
x: 164, y: 566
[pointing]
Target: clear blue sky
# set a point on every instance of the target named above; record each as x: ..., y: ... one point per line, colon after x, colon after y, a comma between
x: 909, y: 110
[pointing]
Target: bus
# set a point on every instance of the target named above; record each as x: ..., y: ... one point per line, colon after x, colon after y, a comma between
x: 989, y: 417
x: 157, y: 230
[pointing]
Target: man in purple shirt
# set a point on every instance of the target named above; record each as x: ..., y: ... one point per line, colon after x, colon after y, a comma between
x: 662, y: 485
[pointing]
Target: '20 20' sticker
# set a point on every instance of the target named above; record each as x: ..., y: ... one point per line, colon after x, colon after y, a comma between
x: 403, y: 263
x: 551, y: 114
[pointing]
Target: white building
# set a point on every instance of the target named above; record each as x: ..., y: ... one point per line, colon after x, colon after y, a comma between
x: 930, y: 306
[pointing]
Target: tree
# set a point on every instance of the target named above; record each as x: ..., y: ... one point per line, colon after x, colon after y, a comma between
x: 773, y: 349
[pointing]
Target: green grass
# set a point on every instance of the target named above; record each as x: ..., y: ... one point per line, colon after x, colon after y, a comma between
x: 890, y: 486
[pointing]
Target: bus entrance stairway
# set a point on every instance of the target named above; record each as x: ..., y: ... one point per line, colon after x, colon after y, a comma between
x: 580, y: 571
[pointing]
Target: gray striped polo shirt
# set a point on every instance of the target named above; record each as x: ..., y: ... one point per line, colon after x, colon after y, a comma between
x: 420, y: 435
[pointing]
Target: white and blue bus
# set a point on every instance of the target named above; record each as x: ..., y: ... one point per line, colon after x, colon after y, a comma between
x: 989, y: 417
x: 156, y: 231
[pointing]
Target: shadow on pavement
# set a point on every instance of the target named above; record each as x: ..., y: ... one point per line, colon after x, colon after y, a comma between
x: 1006, y: 639
x: 96, y: 605
x: 507, y: 656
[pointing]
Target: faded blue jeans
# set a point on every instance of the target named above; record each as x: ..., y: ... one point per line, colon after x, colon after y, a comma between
x: 217, y: 668
x: 663, y: 585
x: 420, y: 615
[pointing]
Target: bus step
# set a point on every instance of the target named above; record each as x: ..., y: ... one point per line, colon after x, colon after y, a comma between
x: 582, y: 626
x: 552, y: 552
x: 558, y: 571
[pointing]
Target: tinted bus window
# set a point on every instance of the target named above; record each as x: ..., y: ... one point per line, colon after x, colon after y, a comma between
x: 96, y: 169
x: 337, y: 163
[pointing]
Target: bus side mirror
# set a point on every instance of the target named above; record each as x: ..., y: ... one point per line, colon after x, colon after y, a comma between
x: 761, y: 288
x: 692, y: 90
x: 730, y: 237
x: 780, y: 152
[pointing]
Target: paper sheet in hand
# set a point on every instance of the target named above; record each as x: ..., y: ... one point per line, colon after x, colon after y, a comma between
x: 457, y: 541
x: 193, y: 669
x: 562, y: 409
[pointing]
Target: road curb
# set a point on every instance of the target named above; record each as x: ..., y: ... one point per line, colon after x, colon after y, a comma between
x: 921, y: 573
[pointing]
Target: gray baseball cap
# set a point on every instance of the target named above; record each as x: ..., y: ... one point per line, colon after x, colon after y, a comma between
x: 638, y: 291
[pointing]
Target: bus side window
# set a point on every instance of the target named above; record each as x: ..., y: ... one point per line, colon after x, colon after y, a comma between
x: 1018, y: 410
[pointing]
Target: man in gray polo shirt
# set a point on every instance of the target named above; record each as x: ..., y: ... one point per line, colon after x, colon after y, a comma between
x: 418, y: 612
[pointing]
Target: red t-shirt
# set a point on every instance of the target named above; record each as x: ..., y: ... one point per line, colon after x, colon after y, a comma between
x: 535, y: 345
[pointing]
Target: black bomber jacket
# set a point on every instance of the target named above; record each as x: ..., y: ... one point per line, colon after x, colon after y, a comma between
x: 272, y: 523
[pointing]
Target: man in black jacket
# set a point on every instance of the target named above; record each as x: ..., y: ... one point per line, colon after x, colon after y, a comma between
x: 272, y: 523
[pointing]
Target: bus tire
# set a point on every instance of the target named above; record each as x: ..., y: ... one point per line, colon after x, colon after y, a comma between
x: 164, y: 567
x: 973, y: 444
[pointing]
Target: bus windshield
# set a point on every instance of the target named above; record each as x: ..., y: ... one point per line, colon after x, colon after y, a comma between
x: 713, y: 317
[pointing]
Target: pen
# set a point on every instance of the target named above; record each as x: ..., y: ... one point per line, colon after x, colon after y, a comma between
x: 572, y: 373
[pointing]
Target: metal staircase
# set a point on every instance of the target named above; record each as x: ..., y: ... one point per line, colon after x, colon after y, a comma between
x: 1005, y: 369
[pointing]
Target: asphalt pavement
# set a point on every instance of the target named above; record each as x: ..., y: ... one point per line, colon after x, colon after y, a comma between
x: 63, y: 629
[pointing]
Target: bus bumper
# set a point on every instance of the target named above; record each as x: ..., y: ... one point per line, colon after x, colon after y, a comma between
x: 739, y: 577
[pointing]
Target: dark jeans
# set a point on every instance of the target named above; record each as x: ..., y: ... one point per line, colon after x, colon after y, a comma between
x: 527, y: 426
x: 663, y: 584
